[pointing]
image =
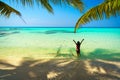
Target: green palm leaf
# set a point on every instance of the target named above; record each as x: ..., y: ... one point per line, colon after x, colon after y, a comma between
x: 6, y: 10
x: 23, y: 2
x: 106, y: 9
x: 46, y: 3
x: 75, y: 3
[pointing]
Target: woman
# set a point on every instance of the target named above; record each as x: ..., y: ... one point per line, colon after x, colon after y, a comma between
x: 78, y: 44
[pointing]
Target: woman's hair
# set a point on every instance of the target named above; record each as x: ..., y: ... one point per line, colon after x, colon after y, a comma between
x: 78, y: 43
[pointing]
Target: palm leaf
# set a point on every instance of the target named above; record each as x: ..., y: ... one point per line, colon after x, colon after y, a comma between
x: 6, y: 10
x: 31, y: 3
x: 106, y: 9
x: 23, y: 2
x: 75, y: 3
x: 46, y: 3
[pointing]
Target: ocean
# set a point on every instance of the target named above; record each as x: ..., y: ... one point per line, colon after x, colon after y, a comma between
x: 46, y: 41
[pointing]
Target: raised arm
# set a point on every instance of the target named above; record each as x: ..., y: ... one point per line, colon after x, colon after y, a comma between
x: 74, y: 42
x: 81, y: 41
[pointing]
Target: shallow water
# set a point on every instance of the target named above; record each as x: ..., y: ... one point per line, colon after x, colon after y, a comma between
x: 40, y: 41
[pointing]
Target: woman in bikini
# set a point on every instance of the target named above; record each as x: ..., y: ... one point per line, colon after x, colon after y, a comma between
x: 78, y: 44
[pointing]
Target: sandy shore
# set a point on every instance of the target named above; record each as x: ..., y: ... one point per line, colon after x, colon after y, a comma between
x: 59, y: 69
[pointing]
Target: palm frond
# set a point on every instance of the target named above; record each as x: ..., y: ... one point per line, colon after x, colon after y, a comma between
x: 106, y: 9
x: 31, y: 3
x: 23, y: 2
x: 45, y: 4
x: 6, y: 10
x: 75, y: 3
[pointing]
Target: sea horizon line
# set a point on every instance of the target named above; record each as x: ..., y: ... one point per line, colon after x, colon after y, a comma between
x: 50, y: 27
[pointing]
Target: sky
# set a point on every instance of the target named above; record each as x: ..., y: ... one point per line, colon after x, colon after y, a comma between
x: 64, y: 16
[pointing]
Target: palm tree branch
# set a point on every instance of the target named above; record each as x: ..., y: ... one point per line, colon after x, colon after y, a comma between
x: 6, y: 10
x: 77, y: 4
x: 106, y: 9
x: 46, y: 4
x: 23, y: 2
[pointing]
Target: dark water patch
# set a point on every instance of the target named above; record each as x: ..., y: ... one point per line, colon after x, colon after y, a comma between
x: 38, y: 32
x: 9, y: 29
x: 53, y: 31
x: 57, y: 31
x: 3, y: 34
x: 15, y: 32
x: 103, y: 54
x: 14, y: 28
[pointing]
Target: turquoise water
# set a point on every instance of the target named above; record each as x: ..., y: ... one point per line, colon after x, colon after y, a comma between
x: 49, y: 40
x: 47, y: 37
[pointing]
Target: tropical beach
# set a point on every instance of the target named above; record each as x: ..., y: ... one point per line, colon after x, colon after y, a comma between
x: 51, y: 52
x: 45, y: 47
